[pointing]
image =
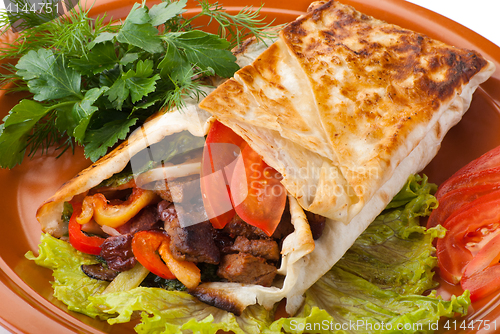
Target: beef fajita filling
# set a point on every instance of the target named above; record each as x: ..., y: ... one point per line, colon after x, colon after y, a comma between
x: 239, y: 252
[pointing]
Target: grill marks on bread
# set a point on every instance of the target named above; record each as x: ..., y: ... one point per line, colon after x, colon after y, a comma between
x: 353, y: 89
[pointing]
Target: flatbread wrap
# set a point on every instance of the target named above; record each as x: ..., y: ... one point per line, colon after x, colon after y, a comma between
x: 344, y: 106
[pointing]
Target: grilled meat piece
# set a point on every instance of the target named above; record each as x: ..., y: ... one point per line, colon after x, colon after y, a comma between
x: 237, y: 227
x: 117, y: 251
x: 147, y: 219
x: 246, y: 268
x: 179, y: 190
x: 98, y: 271
x: 166, y: 211
x: 265, y: 248
x: 193, y: 243
x: 223, y: 240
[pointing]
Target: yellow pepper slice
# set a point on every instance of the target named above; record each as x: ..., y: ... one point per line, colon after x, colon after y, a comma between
x: 186, y: 272
x: 111, y: 214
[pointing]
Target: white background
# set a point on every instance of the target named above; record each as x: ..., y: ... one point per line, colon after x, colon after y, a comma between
x: 481, y: 16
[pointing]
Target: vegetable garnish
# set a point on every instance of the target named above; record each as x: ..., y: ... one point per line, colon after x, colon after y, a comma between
x: 221, y: 149
x: 92, y: 83
x: 258, y: 196
x: 380, y: 279
x: 114, y: 214
x: 78, y: 239
x: 145, y: 245
x: 469, y: 210
x: 235, y: 179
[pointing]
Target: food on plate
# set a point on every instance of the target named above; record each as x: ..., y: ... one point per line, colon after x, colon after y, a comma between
x: 381, y: 278
x: 345, y: 107
x: 468, y: 209
x: 326, y: 128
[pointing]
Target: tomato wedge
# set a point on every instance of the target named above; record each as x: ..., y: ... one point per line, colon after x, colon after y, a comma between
x: 145, y: 245
x: 455, y: 200
x: 235, y: 179
x: 482, y: 284
x: 79, y: 240
x: 466, y: 229
x: 222, y: 147
x: 486, y: 176
x: 259, y: 197
x: 489, y: 160
x: 487, y: 256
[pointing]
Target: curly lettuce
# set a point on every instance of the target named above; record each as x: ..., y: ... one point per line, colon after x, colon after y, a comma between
x: 377, y: 286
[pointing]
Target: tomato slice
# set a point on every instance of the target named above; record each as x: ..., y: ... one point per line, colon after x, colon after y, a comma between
x: 259, y: 197
x: 487, y: 256
x: 489, y: 160
x: 487, y: 176
x: 469, y: 208
x: 79, y: 240
x: 145, y: 245
x: 455, y: 200
x: 235, y: 179
x: 483, y: 283
x: 465, y: 228
x: 222, y: 147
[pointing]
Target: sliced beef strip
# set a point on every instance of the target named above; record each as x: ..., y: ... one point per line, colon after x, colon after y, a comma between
x: 237, y: 227
x: 267, y: 249
x: 166, y: 211
x: 191, y: 213
x: 317, y: 224
x: 246, y: 268
x: 146, y: 219
x: 193, y: 243
x: 117, y: 251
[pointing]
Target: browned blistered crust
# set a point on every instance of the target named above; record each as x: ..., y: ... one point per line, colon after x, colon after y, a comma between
x: 218, y: 298
x: 415, y: 73
x: 373, y: 84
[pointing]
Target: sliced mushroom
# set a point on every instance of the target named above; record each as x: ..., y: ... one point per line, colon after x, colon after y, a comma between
x: 99, y: 272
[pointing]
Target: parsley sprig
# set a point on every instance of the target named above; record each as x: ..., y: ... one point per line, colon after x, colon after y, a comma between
x: 92, y: 82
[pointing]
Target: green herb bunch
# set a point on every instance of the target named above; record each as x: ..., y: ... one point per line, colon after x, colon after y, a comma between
x: 91, y: 82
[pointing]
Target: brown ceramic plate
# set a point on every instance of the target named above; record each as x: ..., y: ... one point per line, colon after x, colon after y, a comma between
x: 26, y: 302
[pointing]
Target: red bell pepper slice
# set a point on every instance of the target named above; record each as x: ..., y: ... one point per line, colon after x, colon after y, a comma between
x: 79, y: 240
x: 145, y: 245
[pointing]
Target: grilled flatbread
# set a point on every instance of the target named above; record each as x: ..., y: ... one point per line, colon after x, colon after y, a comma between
x: 358, y: 93
x: 346, y: 107
x: 228, y: 296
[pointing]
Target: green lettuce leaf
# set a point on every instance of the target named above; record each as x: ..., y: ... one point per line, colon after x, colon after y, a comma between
x: 377, y: 287
x: 70, y: 284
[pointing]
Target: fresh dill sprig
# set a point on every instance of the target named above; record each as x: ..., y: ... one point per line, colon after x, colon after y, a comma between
x: 92, y: 81
x: 184, y: 87
x: 68, y: 34
x: 238, y: 27
x: 46, y: 135
x: 23, y: 14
